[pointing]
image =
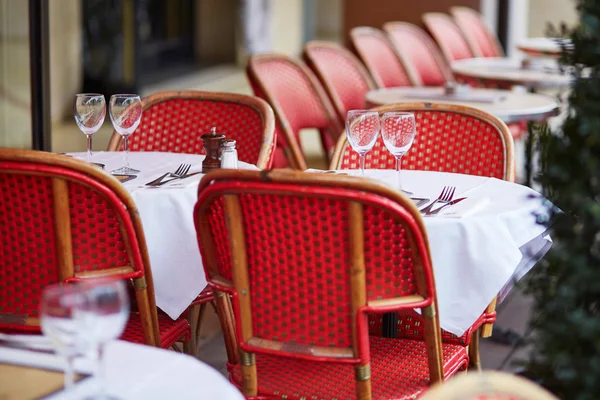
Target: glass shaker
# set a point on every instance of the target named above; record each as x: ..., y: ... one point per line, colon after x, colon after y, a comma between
x: 229, y: 156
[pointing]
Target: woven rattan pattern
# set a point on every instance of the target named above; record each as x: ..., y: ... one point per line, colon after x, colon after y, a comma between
x: 474, y: 29
x: 218, y: 230
x: 97, y: 239
x: 170, y: 331
x: 175, y: 125
x: 379, y: 57
x: 296, y: 379
x: 299, y: 286
x: 446, y: 142
x: 344, y: 81
x: 448, y: 36
x: 27, y: 249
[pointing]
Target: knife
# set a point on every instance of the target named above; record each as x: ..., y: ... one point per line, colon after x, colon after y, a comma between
x: 437, y: 210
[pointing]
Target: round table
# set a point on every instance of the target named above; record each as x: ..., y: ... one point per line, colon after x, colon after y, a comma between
x: 509, y: 71
x: 542, y: 46
x: 509, y: 106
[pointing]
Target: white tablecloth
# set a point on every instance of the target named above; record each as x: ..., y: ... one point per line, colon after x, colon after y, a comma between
x: 167, y: 218
x: 136, y: 372
x: 477, y: 256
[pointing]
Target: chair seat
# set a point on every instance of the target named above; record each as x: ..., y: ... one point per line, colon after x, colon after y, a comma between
x: 170, y: 331
x: 398, y: 371
x: 204, y: 297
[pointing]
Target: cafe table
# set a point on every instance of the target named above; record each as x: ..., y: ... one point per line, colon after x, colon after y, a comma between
x: 132, y: 372
x: 542, y: 46
x: 509, y: 106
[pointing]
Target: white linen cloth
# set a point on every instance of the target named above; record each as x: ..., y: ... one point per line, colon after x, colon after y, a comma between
x: 135, y: 372
x: 167, y: 219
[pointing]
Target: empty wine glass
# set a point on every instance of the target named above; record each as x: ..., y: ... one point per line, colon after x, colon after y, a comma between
x: 89, y: 110
x: 362, y: 128
x: 125, y: 113
x: 59, y: 323
x: 102, y: 317
x: 398, y: 130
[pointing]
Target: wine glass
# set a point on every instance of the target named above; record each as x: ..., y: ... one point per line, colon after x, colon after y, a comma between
x: 59, y: 323
x: 398, y: 130
x: 89, y: 110
x: 125, y: 113
x: 102, y: 317
x: 362, y: 128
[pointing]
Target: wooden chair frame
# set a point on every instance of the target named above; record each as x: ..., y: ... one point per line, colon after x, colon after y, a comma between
x: 488, y: 383
x: 217, y: 183
x: 267, y: 148
x: 458, y: 12
x: 67, y: 169
x: 294, y: 152
x: 355, y: 33
x: 329, y: 88
x: 501, y: 128
x: 426, y: 40
x: 429, y: 21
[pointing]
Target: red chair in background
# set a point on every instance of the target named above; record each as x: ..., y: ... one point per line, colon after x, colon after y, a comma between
x: 63, y: 220
x: 301, y: 301
x: 448, y: 36
x: 373, y: 48
x: 174, y: 121
x: 482, y: 41
x: 419, y: 53
x: 299, y: 102
x: 343, y: 76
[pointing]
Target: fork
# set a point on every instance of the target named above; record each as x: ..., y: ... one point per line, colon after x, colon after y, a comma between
x: 179, y: 172
x: 183, y: 175
x: 444, y: 197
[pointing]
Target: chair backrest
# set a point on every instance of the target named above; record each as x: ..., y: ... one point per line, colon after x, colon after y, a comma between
x: 305, y: 256
x: 62, y: 220
x: 298, y: 100
x: 376, y: 52
x: 482, y: 41
x: 448, y: 36
x: 449, y: 138
x: 343, y: 76
x: 174, y: 121
x: 419, y: 53
x: 488, y: 385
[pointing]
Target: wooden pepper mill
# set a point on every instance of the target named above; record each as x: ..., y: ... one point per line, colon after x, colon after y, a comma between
x: 212, y: 143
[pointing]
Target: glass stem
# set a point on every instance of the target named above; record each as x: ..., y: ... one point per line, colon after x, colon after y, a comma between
x: 89, y: 147
x: 127, y: 152
x: 362, y: 164
x: 398, y: 168
x: 69, y: 373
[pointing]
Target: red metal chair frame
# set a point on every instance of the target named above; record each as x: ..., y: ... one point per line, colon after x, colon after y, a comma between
x: 299, y: 106
x: 448, y: 36
x: 386, y: 66
x: 70, y: 222
x: 419, y: 53
x: 234, y: 265
x: 343, y: 76
x: 174, y: 121
x: 481, y: 40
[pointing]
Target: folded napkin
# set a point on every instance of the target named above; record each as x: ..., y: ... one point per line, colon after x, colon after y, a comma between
x: 465, y: 208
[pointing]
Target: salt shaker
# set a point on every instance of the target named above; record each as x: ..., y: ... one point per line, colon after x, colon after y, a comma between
x: 229, y: 156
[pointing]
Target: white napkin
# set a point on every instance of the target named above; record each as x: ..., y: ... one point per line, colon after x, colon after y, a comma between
x: 34, y: 342
x: 464, y: 208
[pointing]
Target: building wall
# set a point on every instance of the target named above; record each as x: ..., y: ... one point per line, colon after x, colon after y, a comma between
x: 287, y: 26
x: 542, y: 12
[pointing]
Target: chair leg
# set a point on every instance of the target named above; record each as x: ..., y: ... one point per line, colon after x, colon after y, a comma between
x: 486, y: 329
x: 198, y: 325
x: 190, y: 346
x: 474, y: 360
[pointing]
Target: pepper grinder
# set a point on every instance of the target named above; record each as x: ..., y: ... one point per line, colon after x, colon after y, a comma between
x: 212, y: 143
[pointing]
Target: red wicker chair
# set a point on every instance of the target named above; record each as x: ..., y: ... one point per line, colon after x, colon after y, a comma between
x: 343, y: 76
x: 299, y: 102
x: 419, y: 53
x: 376, y: 52
x: 62, y: 220
x: 448, y: 36
x: 174, y: 121
x: 482, y: 41
x: 301, y: 300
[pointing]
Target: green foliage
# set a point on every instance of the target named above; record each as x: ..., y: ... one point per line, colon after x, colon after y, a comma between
x: 566, y: 284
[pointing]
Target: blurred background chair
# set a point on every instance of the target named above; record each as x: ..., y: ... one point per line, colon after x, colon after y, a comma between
x: 63, y: 220
x: 174, y: 121
x: 343, y: 76
x: 373, y: 48
x: 419, y: 54
x: 448, y: 36
x: 481, y: 40
x: 488, y: 385
x: 299, y: 102
x: 301, y: 301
